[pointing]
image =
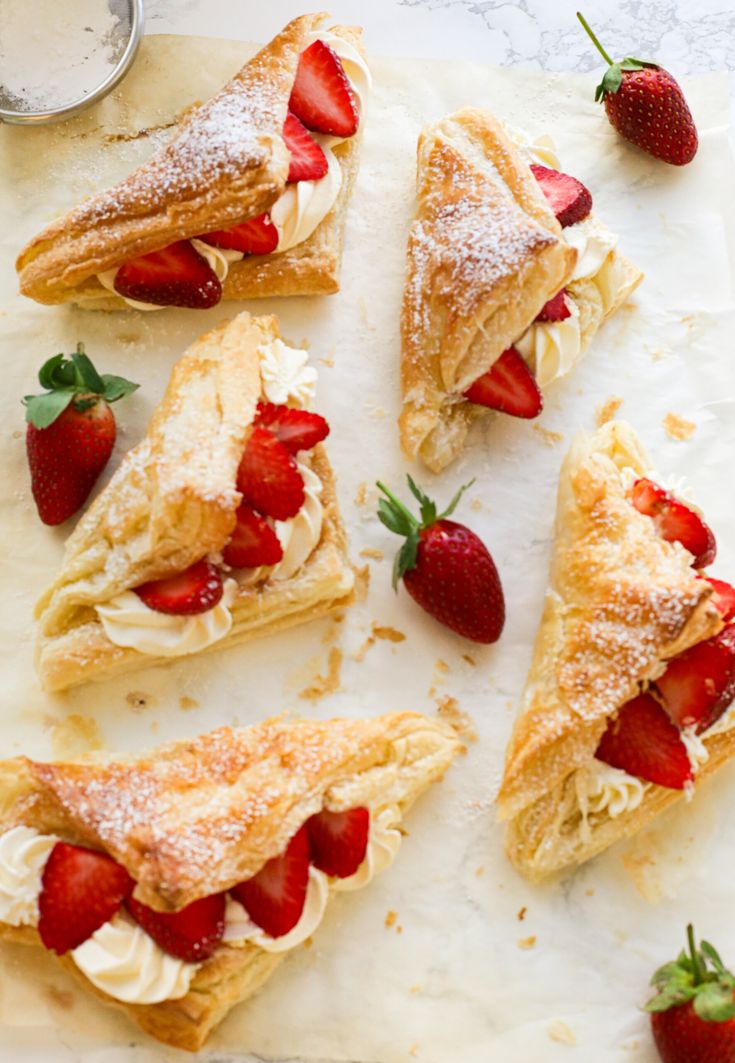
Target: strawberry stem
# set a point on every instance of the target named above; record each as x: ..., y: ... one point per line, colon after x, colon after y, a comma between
x: 697, y: 973
x: 404, y: 510
x: 594, y: 39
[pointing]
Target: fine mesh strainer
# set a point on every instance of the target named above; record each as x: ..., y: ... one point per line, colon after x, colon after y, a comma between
x: 124, y: 41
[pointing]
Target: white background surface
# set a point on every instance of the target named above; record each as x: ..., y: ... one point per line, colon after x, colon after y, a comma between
x: 454, y: 986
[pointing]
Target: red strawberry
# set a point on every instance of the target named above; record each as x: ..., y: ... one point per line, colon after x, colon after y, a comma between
x: 338, y: 840
x: 275, y: 897
x: 71, y: 432
x: 253, y: 542
x: 724, y: 597
x: 646, y: 106
x: 508, y: 386
x: 308, y: 161
x: 693, y: 1012
x: 80, y: 890
x: 322, y: 96
x: 445, y: 567
x: 568, y: 198
x: 268, y: 477
x: 296, y: 429
x: 258, y: 236
x: 643, y: 741
x: 675, y: 522
x: 699, y: 684
x: 174, y: 276
x: 195, y: 590
x: 191, y: 934
x: 557, y: 309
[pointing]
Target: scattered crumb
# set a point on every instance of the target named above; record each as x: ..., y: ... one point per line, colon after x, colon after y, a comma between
x: 308, y: 943
x: 390, y: 919
x: 399, y: 929
x: 415, y: 989
x: 559, y: 1031
x: 678, y: 428
x: 642, y: 868
x: 362, y: 582
x: 388, y: 634
x: 440, y: 670
x: 441, y: 666
x: 461, y: 722
x: 413, y: 1050
x: 326, y: 684
x: 376, y: 412
x: 476, y: 504
x: 361, y: 496
x: 372, y: 552
x: 522, y: 913
x: 527, y: 943
x: 656, y: 353
x: 469, y: 659
x: 74, y: 735
x: 333, y: 629
x: 480, y: 871
x: 550, y: 438
x: 187, y: 703
x: 138, y: 700
x: 608, y: 409
x: 328, y: 362
x: 589, y: 893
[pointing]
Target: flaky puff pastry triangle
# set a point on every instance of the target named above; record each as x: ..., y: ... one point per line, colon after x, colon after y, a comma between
x: 485, y: 253
x: 172, y: 502
x: 196, y: 817
x: 621, y: 601
x: 226, y: 163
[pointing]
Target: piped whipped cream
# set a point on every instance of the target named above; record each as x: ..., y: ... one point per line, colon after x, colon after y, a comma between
x: 602, y: 788
x: 286, y: 375
x: 299, y: 536
x: 127, y: 964
x: 303, y: 205
x: 23, y: 856
x: 130, y: 623
x: 383, y: 844
x: 593, y: 242
x: 552, y: 348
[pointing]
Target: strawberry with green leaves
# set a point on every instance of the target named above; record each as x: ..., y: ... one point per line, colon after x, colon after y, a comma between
x: 646, y: 106
x: 693, y: 1012
x: 445, y: 567
x: 71, y: 432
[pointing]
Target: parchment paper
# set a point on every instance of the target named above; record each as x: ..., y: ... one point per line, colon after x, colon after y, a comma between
x: 448, y: 982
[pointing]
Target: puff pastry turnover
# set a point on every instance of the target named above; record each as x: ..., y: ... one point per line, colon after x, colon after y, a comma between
x: 173, y: 501
x: 226, y: 164
x: 193, y: 819
x: 622, y: 602
x: 485, y: 254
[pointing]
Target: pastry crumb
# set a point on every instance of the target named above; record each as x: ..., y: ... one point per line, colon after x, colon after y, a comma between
x: 415, y: 989
x: 678, y: 428
x: 377, y: 413
x: 476, y: 504
x: 187, y: 703
x: 387, y: 633
x: 522, y: 913
x: 362, y: 582
x: 480, y: 871
x: 461, y: 723
x: 559, y: 1031
x: 469, y: 659
x: 413, y: 1050
x: 326, y: 684
x: 390, y: 919
x: 441, y: 666
x: 373, y: 553
x: 138, y: 700
x: 527, y: 943
x: 550, y: 438
x: 608, y: 410
x: 361, y: 496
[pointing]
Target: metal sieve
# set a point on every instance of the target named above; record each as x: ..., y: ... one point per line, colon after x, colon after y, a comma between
x: 130, y: 13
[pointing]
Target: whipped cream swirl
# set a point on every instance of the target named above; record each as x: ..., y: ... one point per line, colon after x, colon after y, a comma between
x: 602, y: 788
x: 286, y: 376
x: 23, y: 856
x: 130, y: 623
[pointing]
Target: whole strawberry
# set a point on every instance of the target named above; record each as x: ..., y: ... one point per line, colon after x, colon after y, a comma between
x: 646, y: 106
x: 71, y: 432
x: 445, y: 567
x: 693, y: 1013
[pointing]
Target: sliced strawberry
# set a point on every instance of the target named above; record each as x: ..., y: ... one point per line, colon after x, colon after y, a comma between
x: 174, y: 276
x: 308, y: 161
x: 568, y: 198
x: 253, y: 542
x: 268, y: 477
x: 258, y: 236
x: 723, y: 598
x: 296, y: 429
x: 192, y: 934
x: 322, y: 96
x: 675, y: 522
x: 643, y: 741
x: 338, y: 840
x: 275, y: 897
x: 195, y: 590
x: 80, y: 890
x: 557, y: 309
x: 699, y: 684
x: 509, y: 386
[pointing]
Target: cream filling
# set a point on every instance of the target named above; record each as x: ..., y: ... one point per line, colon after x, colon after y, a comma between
x: 286, y: 376
x: 130, y: 623
x: 303, y: 205
x: 23, y: 856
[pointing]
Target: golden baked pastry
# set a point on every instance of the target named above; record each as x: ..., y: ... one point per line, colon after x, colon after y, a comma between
x: 226, y: 163
x: 622, y: 601
x: 195, y: 818
x: 173, y: 501
x: 485, y: 254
